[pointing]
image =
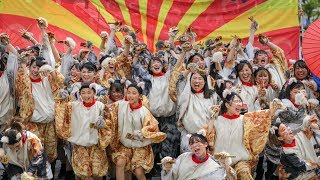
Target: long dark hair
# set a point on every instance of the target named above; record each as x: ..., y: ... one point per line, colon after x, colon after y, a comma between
x: 192, y: 56
x: 255, y: 74
x: 285, y: 91
x: 207, y: 92
x: 229, y: 98
x: 241, y: 65
x: 117, y: 86
x: 155, y: 58
x: 199, y: 138
x: 302, y: 64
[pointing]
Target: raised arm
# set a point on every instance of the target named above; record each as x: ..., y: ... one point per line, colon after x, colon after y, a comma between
x: 55, y: 52
x: 5, y: 41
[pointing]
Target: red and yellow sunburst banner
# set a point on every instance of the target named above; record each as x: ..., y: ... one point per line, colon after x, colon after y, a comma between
x: 85, y: 19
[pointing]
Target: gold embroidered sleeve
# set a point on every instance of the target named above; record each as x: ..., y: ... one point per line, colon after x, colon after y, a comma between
x: 56, y: 82
x: 151, y: 130
x: 23, y: 88
x: 210, y: 135
x: 123, y: 66
x: 63, y: 110
x: 106, y: 134
x: 145, y: 101
x: 279, y: 59
x: 112, y: 116
x: 256, y: 129
x: 173, y: 82
x: 35, y: 147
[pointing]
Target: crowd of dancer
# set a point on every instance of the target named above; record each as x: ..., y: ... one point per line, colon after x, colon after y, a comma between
x: 188, y: 111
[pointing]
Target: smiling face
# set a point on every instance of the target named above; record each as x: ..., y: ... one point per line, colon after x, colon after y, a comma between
x: 200, y: 61
x: 87, y: 95
x: 262, y: 59
x: 197, y: 82
x: 198, y: 147
x: 285, y: 134
x: 294, y: 92
x: 300, y: 72
x: 133, y: 95
x: 116, y: 95
x: 111, y: 65
x: 87, y: 75
x: 262, y: 77
x: 234, y: 107
x: 156, y: 67
x: 245, y: 73
x: 74, y: 72
x: 34, y: 71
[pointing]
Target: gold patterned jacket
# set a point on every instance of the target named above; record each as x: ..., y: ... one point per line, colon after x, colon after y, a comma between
x: 256, y: 130
x: 63, y: 123
x: 150, y: 128
x: 23, y: 88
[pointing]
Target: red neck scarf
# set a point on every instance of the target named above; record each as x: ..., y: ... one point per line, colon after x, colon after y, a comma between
x: 111, y: 98
x: 250, y: 84
x: 295, y: 105
x: 125, y: 98
x: 230, y: 117
x: 89, y: 104
x: 200, y: 91
x: 35, y: 80
x: 1, y: 74
x: 267, y: 86
x: 137, y: 107
x: 158, y: 74
x: 24, y: 138
x: 293, y: 144
x: 196, y: 160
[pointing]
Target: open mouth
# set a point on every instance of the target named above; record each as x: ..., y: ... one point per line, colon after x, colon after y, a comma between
x: 156, y: 68
x: 197, y: 86
x: 196, y: 149
x: 263, y: 61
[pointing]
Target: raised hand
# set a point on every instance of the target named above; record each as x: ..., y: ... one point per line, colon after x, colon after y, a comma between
x: 173, y: 31
x: 193, y: 67
x: 42, y: 23
x: 100, y: 123
x: 167, y: 163
x: 263, y: 39
x: 4, y: 39
x: 254, y: 24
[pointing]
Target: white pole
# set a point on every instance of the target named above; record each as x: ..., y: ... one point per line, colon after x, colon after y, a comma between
x: 301, y: 30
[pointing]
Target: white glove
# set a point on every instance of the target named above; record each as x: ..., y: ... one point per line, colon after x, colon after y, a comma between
x: 103, y: 34
x: 166, y: 163
x: 137, y: 135
x: 193, y: 67
x: 100, y: 123
x: 45, y: 70
x: 300, y: 98
x: 112, y: 27
x: 62, y: 94
x: 238, y: 89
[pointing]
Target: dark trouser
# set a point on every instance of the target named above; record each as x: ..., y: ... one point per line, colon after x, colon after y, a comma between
x: 170, y: 146
x: 259, y: 169
x: 271, y: 167
x: 13, y: 170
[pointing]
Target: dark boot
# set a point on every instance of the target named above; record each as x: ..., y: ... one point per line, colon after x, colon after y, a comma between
x: 70, y: 175
x: 53, y: 167
x: 62, y: 172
